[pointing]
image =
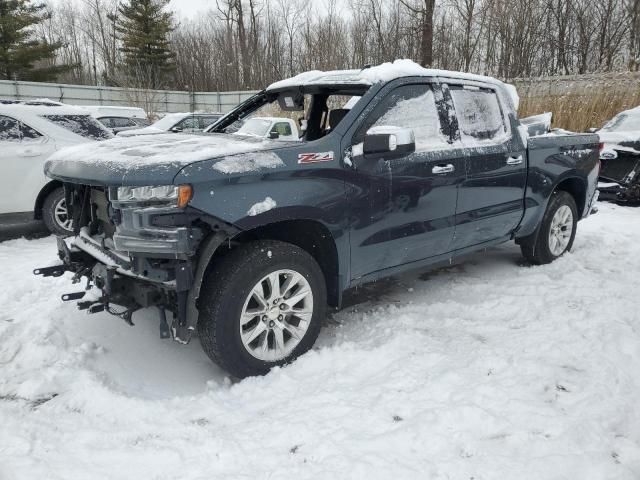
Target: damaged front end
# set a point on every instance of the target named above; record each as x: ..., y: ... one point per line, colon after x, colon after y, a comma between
x: 138, y: 247
x: 620, y: 175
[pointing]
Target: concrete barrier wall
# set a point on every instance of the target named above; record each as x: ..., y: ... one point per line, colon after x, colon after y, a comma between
x: 153, y: 101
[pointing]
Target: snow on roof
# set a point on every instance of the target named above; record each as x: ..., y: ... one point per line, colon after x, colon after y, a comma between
x: 385, y: 73
x: 110, y: 110
x: 21, y: 109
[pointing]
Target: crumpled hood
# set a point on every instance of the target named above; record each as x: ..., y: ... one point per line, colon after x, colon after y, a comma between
x: 145, y: 160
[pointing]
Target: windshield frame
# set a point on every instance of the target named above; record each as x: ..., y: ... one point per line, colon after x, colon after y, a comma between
x: 264, y: 97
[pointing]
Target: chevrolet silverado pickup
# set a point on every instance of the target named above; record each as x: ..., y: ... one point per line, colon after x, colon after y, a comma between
x: 246, y: 241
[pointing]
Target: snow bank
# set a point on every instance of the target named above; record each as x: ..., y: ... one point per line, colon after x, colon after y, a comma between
x: 485, y: 370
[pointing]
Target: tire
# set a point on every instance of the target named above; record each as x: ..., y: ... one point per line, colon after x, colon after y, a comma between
x: 234, y: 287
x: 53, y: 214
x: 543, y: 250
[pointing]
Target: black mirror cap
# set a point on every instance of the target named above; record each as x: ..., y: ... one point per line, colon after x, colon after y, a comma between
x: 274, y: 135
x: 176, y: 129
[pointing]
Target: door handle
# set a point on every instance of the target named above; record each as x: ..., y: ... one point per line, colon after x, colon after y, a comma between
x: 514, y: 160
x: 440, y: 169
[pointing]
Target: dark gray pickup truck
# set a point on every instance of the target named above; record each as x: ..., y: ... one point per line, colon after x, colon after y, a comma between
x: 247, y: 240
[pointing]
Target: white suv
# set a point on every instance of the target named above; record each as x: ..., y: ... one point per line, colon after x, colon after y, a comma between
x: 29, y: 134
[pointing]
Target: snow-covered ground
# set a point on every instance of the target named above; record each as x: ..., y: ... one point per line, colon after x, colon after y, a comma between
x: 485, y: 370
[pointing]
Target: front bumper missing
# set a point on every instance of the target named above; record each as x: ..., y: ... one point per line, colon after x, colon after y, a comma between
x: 122, y: 291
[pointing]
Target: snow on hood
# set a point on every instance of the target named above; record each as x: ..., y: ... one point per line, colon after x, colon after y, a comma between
x: 154, y: 159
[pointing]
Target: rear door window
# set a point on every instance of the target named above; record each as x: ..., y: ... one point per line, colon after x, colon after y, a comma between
x: 206, y: 121
x: 84, y: 125
x: 121, y: 122
x: 13, y: 130
x: 9, y: 129
x: 480, y: 117
x: 189, y: 123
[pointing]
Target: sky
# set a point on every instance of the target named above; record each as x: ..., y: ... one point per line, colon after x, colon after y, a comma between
x: 190, y: 8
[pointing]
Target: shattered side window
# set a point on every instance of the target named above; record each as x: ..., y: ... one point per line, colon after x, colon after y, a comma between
x: 479, y: 115
x: 84, y: 125
x: 411, y: 107
x: 9, y: 129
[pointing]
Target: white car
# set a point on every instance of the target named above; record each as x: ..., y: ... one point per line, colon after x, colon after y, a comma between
x: 29, y: 134
x: 276, y: 128
x: 176, y: 123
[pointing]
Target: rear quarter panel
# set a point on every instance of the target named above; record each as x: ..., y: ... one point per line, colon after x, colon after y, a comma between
x: 552, y: 160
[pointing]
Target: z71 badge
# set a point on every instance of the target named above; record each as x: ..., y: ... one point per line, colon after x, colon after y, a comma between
x: 315, y: 157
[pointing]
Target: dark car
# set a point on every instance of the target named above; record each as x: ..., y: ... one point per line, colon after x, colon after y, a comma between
x: 620, y: 156
x: 247, y: 240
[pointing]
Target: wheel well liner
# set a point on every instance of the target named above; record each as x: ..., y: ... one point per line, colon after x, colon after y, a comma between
x: 577, y: 188
x: 44, y: 193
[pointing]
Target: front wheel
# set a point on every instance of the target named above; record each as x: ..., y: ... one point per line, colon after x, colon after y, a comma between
x: 261, y: 306
x: 556, y: 232
x: 55, y: 214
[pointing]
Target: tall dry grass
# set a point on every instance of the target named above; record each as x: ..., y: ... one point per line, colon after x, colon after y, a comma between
x: 582, y: 101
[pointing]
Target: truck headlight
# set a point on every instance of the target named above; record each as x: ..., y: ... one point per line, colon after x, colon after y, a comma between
x: 178, y: 195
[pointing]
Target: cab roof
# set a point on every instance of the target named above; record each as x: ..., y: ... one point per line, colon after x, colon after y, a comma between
x: 384, y: 73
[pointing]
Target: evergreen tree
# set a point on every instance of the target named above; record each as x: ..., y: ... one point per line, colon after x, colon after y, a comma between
x: 22, y: 57
x: 144, y: 28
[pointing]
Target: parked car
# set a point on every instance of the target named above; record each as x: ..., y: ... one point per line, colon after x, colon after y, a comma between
x: 275, y: 128
x: 29, y: 134
x: 246, y: 240
x: 177, y: 123
x: 119, y: 119
x: 620, y: 156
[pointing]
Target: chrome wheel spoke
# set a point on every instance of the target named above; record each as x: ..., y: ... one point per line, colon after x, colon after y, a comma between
x: 297, y: 297
x: 279, y: 341
x: 291, y: 281
x: 251, y: 335
x: 295, y: 332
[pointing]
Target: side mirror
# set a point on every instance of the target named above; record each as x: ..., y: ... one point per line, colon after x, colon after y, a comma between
x: 388, y: 142
x: 274, y: 135
x: 175, y: 130
x: 592, y: 130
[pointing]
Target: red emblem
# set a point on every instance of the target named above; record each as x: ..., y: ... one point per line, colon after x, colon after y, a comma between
x: 315, y: 157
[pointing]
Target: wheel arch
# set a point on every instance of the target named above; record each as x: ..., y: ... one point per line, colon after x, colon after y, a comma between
x: 577, y: 188
x: 44, y: 193
x: 311, y: 235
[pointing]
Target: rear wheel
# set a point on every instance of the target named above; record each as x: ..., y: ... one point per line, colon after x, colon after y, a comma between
x: 557, y: 230
x: 55, y: 214
x: 261, y: 306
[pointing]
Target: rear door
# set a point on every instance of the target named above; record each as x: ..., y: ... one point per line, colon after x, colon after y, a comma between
x: 403, y: 209
x: 491, y: 197
x: 24, y: 151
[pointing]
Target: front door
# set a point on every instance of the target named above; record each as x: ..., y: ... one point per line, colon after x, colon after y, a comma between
x: 403, y: 209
